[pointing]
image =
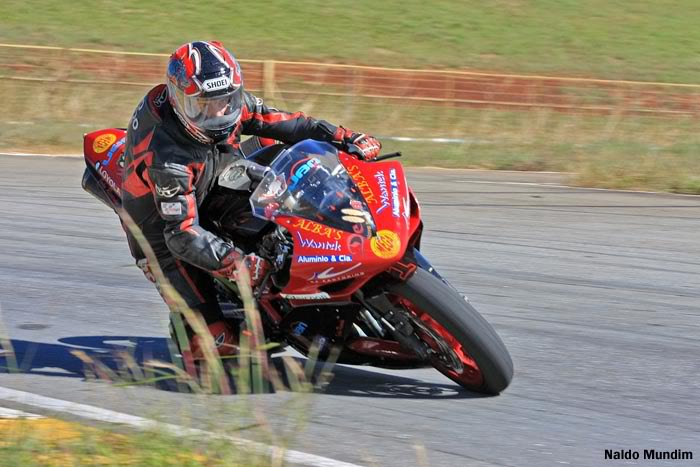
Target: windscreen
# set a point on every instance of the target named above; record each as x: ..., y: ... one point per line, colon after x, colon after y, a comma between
x: 307, y: 180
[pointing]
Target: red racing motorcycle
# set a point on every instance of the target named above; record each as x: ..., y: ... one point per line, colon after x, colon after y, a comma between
x: 343, y: 237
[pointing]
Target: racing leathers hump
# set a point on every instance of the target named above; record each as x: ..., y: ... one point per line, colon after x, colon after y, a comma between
x: 168, y: 173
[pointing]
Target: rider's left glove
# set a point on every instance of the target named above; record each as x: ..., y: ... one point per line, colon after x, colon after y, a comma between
x: 363, y: 146
x: 235, y: 261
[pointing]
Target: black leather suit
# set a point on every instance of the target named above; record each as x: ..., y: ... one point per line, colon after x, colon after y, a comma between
x: 168, y: 175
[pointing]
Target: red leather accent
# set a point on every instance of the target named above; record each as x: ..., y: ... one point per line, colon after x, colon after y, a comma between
x: 275, y: 117
x: 134, y: 183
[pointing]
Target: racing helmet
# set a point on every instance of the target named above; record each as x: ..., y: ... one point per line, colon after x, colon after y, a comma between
x: 205, y: 89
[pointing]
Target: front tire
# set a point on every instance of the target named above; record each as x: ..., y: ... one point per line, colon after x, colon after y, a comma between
x: 464, y: 346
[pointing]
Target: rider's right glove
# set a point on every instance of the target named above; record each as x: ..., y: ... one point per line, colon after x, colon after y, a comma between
x: 256, y: 266
x: 358, y: 144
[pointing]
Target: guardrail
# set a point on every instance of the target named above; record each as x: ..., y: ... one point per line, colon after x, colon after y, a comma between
x: 447, y: 88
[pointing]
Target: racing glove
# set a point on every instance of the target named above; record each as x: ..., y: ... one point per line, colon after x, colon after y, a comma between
x: 143, y: 265
x: 256, y: 266
x: 363, y: 146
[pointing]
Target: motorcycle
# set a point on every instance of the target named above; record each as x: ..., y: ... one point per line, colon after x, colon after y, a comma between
x: 343, y: 237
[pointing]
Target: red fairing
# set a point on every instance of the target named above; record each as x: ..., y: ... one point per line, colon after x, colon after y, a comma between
x: 324, y: 255
x: 104, y: 151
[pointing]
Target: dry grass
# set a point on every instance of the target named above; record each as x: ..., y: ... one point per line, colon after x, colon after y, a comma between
x: 55, y: 442
x: 617, y: 150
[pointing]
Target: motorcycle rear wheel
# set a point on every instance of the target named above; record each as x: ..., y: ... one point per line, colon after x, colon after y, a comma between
x: 464, y: 346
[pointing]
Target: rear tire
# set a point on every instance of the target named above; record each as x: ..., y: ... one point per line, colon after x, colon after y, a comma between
x: 458, y: 324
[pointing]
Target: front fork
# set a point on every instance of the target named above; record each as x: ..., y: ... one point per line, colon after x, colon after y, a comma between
x: 394, y: 320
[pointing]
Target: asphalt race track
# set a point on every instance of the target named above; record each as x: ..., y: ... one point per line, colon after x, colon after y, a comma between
x: 596, y: 294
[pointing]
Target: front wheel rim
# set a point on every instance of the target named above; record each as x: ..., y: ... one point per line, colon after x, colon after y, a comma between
x: 447, y: 353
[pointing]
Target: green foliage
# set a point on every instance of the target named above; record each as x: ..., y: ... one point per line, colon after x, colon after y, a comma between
x: 645, y: 40
x: 642, y: 40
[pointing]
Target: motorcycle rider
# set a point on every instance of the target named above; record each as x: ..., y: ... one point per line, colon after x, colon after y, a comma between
x: 180, y: 138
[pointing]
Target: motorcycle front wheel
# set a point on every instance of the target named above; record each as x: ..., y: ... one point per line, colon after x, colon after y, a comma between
x: 463, y: 345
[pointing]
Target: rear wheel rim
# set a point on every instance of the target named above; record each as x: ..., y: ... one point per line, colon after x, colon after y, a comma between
x: 447, y: 353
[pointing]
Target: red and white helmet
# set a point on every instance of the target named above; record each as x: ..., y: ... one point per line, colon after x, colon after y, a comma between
x: 205, y: 88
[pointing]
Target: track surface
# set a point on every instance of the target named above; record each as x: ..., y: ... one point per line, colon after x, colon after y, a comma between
x: 595, y: 293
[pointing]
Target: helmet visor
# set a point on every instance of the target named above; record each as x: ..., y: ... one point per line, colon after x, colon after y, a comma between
x: 214, y: 112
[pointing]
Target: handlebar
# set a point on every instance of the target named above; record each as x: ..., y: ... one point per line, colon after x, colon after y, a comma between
x: 387, y: 156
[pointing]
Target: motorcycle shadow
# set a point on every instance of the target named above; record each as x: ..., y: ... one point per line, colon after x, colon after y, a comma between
x: 358, y: 382
x: 113, y: 358
x: 74, y: 356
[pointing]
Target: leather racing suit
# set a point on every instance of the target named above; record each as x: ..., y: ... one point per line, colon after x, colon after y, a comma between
x: 168, y: 174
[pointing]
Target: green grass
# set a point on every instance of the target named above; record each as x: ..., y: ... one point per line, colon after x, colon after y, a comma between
x: 641, y: 40
x: 644, y: 40
x: 614, y: 151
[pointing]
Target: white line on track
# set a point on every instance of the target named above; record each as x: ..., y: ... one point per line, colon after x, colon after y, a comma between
x: 110, y: 416
x: 553, y: 185
x: 27, y: 154
x: 10, y: 413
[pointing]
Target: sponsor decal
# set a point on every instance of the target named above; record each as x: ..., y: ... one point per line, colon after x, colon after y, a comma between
x: 383, y: 191
x: 362, y: 184
x: 171, y: 209
x: 102, y: 142
x: 318, y: 244
x: 406, y: 207
x: 355, y: 204
x: 313, y: 227
x: 216, y: 83
x: 301, y: 171
x: 220, y: 339
x: 354, y: 216
x: 162, y: 97
x: 299, y: 328
x: 395, y: 203
x: 352, y: 212
x: 331, y: 274
x: 354, y: 219
x: 356, y: 244
x: 167, y: 192
x: 105, y: 176
x: 386, y: 244
x: 113, y: 150
x: 325, y: 259
x: 306, y: 296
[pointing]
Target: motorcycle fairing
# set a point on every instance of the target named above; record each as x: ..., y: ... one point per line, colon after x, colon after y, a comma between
x: 104, y: 157
x: 337, y: 247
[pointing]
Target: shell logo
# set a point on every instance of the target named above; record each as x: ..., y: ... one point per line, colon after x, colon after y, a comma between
x: 386, y: 244
x: 103, y: 142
